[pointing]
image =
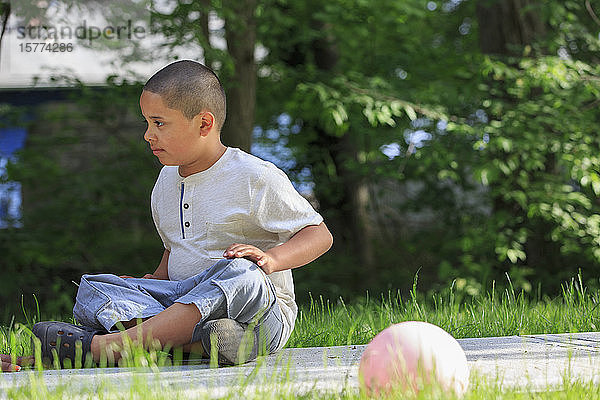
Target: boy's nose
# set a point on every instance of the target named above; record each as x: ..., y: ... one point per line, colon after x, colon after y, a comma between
x: 148, y: 136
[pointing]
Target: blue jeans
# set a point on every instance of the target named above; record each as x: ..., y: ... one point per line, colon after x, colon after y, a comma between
x: 236, y: 289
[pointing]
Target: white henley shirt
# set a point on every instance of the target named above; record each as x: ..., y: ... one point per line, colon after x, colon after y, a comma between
x: 239, y: 199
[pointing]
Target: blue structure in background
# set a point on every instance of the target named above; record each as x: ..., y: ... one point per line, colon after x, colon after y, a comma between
x: 11, y: 140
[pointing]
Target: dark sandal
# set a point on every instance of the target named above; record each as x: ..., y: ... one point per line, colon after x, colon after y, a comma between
x: 63, y: 337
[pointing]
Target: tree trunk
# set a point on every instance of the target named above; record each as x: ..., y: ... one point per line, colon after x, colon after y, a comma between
x: 344, y: 198
x: 362, y: 226
x: 506, y: 26
x: 240, y: 33
x: 4, y: 15
x: 348, y: 212
x: 207, y: 47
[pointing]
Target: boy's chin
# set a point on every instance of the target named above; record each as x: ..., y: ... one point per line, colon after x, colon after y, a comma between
x: 167, y: 163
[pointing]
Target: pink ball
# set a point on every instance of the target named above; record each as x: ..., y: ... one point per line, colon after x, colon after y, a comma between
x: 403, y: 353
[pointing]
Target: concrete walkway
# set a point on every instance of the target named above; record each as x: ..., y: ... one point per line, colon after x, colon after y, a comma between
x: 530, y: 362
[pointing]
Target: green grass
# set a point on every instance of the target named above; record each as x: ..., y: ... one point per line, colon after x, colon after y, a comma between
x: 146, y: 389
x: 323, y: 323
x: 499, y: 313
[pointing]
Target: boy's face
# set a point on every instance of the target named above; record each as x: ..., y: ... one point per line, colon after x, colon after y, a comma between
x: 173, y: 138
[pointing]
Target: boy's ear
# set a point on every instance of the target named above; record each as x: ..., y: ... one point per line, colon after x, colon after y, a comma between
x: 205, y: 121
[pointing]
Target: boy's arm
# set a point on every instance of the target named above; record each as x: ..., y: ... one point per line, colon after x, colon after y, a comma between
x: 305, y: 246
x: 162, y: 271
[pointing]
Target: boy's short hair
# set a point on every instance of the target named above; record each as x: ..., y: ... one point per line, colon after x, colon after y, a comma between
x: 191, y: 88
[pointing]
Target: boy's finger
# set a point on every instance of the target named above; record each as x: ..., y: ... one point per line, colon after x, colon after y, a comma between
x: 7, y: 358
x: 237, y: 250
x: 232, y: 246
x: 235, y: 247
x: 25, y: 361
x: 8, y: 367
x: 250, y: 252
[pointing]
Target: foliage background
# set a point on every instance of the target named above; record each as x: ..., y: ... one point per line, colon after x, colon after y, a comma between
x: 433, y: 144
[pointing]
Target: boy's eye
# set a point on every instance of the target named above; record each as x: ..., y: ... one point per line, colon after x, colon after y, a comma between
x: 158, y: 123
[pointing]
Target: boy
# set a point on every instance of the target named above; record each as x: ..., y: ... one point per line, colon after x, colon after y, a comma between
x: 232, y: 225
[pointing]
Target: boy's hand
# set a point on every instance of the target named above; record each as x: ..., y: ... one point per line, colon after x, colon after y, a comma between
x: 7, y: 365
x: 252, y: 253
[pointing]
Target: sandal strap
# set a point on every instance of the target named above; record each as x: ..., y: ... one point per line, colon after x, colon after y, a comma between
x: 63, y: 337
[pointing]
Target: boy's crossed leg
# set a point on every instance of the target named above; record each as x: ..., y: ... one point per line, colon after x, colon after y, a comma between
x: 229, y: 299
x: 172, y: 327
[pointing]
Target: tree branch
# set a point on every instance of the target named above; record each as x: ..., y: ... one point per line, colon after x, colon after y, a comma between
x: 5, y: 10
x: 590, y: 10
x: 420, y: 109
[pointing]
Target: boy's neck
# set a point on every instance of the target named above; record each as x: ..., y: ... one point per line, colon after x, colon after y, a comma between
x: 203, y: 163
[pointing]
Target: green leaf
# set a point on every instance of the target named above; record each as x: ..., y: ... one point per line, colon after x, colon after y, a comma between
x: 410, y: 112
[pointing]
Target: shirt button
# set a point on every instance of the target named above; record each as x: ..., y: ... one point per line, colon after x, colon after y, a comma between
x: 186, y: 206
x: 187, y: 224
